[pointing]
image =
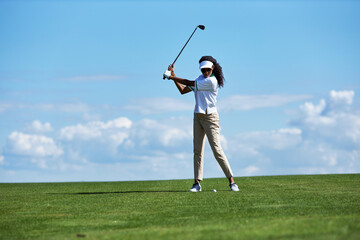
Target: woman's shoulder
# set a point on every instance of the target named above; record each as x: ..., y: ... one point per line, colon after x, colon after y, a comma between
x: 213, y: 78
x: 202, y: 78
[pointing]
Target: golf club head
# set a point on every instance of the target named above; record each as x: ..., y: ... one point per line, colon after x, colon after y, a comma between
x: 202, y: 27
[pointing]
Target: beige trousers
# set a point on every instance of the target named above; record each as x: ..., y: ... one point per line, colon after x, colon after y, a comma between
x: 208, y: 124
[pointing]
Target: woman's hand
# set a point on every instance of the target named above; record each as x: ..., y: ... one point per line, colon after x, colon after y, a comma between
x: 171, y: 68
x: 170, y: 72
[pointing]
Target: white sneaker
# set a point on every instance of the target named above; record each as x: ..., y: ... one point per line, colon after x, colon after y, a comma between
x: 234, y: 187
x: 196, y: 188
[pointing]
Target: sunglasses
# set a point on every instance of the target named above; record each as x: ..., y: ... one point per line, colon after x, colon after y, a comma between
x: 204, y: 70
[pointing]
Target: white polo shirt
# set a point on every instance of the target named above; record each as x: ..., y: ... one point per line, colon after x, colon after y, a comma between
x: 205, y: 91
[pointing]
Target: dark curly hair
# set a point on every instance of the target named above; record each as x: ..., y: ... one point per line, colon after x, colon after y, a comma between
x: 217, y: 69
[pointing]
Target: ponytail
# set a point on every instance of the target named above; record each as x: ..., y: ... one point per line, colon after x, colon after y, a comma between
x: 217, y: 69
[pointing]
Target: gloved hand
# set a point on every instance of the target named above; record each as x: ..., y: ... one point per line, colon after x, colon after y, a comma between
x: 167, y: 74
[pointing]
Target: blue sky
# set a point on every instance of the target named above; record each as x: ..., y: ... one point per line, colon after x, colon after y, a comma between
x: 82, y: 96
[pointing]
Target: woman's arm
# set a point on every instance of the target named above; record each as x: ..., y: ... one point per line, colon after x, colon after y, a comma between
x: 183, y: 81
x: 182, y: 89
x: 180, y: 82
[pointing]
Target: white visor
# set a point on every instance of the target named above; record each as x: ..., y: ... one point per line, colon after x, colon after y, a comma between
x: 206, y: 64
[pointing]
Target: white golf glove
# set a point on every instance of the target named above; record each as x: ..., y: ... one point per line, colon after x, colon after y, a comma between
x: 167, y: 74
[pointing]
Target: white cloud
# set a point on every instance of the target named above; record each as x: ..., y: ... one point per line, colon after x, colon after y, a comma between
x: 165, y: 133
x: 334, y: 123
x: 2, y: 160
x: 246, y: 102
x: 79, y: 131
x: 5, y: 106
x: 33, y: 145
x: 75, y: 156
x: 164, y: 165
x: 232, y: 103
x: 158, y: 166
x: 37, y: 149
x: 123, y: 141
x: 311, y: 110
x: 96, y: 141
x: 95, y: 129
x: 341, y: 97
x: 39, y: 127
x: 159, y: 105
x: 275, y: 139
x: 323, y: 137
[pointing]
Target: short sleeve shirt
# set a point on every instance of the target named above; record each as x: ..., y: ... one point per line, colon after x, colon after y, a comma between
x: 205, y: 91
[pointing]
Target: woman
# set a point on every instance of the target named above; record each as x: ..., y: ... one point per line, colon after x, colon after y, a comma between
x: 206, y: 118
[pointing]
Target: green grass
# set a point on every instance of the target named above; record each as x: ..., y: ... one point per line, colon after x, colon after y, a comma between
x: 277, y: 207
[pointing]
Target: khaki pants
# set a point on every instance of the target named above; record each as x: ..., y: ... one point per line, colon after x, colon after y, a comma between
x: 208, y: 124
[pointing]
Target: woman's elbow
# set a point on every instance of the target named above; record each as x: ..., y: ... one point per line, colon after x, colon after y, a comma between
x: 184, y: 91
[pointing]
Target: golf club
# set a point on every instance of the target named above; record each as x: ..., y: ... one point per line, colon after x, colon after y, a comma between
x: 202, y: 27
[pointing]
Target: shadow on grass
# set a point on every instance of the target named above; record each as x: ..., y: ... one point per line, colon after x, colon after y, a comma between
x: 120, y: 192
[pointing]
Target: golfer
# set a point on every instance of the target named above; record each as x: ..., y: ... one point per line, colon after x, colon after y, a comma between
x: 206, y: 118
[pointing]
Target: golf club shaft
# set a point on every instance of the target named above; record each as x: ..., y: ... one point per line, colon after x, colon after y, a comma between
x: 202, y: 27
x: 184, y: 45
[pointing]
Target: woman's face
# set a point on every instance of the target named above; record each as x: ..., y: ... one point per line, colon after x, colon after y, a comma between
x: 207, y: 71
